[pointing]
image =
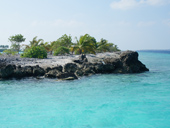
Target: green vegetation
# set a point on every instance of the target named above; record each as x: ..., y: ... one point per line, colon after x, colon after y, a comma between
x: 15, y: 42
x: 61, y: 51
x: 86, y: 44
x: 65, y: 41
x: 35, y: 52
x: 10, y: 52
x: 48, y: 46
x: 62, y: 44
x: 104, y: 46
x: 36, y: 42
x: 35, y: 49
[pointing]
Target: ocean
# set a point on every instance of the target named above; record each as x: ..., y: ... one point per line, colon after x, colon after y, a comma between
x: 99, y: 101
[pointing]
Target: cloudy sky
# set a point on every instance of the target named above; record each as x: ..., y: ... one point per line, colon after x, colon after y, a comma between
x: 131, y: 24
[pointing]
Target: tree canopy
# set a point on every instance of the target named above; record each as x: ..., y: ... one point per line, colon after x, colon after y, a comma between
x: 65, y: 41
x: 36, y: 42
x: 104, y: 46
x: 36, y: 49
x: 84, y: 45
x: 15, y: 41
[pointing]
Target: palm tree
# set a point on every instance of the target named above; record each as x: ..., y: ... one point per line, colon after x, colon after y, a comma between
x: 102, y: 46
x: 64, y: 41
x: 36, y: 42
x: 115, y: 48
x: 84, y: 45
x: 49, y: 46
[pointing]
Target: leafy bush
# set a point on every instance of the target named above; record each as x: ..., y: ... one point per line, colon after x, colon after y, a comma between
x: 10, y: 52
x: 0, y: 54
x: 35, y: 52
x: 61, y: 51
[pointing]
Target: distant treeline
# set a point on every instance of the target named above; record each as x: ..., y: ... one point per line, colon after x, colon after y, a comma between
x: 4, y: 46
x: 1, y: 50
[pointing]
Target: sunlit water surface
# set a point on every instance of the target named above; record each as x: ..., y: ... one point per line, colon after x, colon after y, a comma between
x: 112, y: 100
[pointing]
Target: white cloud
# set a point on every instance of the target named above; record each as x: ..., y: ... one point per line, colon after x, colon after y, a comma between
x: 145, y: 24
x: 129, y: 4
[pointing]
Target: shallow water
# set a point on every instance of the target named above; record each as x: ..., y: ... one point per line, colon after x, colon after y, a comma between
x: 112, y: 100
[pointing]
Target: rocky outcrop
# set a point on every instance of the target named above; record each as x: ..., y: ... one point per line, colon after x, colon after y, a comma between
x: 127, y: 63
x: 66, y: 76
x: 38, y: 71
x: 82, y: 59
x: 131, y: 64
x: 6, y: 71
x: 52, y: 72
x: 123, y: 62
x: 70, y: 67
x: 22, y: 72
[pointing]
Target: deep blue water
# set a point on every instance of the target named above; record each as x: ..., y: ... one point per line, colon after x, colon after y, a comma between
x: 156, y: 51
x: 100, y: 101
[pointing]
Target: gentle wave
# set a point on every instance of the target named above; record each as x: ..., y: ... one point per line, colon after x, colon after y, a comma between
x: 110, y: 100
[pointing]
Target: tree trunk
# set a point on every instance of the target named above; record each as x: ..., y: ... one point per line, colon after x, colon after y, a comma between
x: 80, y: 51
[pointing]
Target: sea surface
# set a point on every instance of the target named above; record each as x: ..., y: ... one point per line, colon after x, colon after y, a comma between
x: 99, y: 101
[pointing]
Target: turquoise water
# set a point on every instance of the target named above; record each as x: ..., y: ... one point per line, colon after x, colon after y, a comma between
x: 100, y: 101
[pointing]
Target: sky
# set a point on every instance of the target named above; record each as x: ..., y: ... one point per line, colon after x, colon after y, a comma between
x: 130, y: 24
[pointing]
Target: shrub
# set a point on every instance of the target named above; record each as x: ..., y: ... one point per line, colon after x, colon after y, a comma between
x: 61, y: 51
x: 10, y: 52
x: 35, y: 52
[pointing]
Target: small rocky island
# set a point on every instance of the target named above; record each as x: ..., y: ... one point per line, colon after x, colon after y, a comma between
x: 72, y: 66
